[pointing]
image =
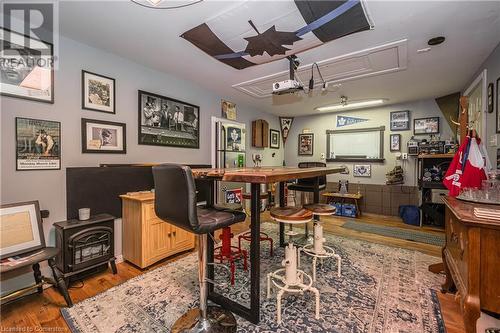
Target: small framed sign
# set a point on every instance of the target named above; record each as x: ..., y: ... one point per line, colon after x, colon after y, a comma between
x: 306, y: 144
x: 395, y: 140
x: 491, y: 98
x: 274, y: 138
x: 400, y: 120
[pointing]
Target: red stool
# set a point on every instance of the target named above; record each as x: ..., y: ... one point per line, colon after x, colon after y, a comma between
x: 226, y: 252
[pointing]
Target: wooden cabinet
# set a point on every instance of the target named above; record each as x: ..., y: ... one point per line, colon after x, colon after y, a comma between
x: 260, y: 133
x: 146, y: 238
x: 471, y: 260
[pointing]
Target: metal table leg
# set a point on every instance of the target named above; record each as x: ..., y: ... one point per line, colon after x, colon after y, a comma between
x: 282, y: 204
x: 252, y: 314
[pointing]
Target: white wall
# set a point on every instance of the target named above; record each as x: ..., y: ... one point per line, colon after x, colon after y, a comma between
x: 49, y: 186
x: 320, y: 123
x: 492, y: 66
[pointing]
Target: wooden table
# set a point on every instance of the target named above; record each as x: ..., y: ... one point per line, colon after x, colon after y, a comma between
x: 471, y: 261
x: 256, y: 177
x: 352, y: 196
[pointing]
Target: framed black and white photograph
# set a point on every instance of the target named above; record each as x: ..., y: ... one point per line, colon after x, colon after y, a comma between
x: 38, y: 144
x: 233, y: 139
x: 395, y: 140
x: 99, y: 136
x: 98, y: 92
x: 274, y: 139
x: 26, y: 69
x: 498, y: 106
x: 400, y: 120
x: 491, y: 98
x: 422, y: 126
x: 306, y: 144
x: 20, y: 228
x: 164, y: 121
x: 362, y: 170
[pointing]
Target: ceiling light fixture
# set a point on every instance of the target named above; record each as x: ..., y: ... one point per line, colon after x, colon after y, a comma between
x: 344, y: 105
x: 163, y: 4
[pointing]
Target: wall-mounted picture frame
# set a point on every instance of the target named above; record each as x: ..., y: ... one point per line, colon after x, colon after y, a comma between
x: 98, y: 92
x: 426, y: 126
x: 306, y: 144
x: 400, y: 120
x: 228, y: 110
x: 164, y: 121
x: 105, y: 137
x: 491, y: 98
x: 362, y: 170
x: 274, y: 139
x: 27, y: 69
x: 395, y: 142
x: 234, y: 136
x: 498, y: 106
x: 38, y: 144
x: 20, y: 228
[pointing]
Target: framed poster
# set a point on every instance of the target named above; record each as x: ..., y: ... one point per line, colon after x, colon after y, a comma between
x: 26, y: 72
x: 400, y: 120
x: 422, y: 126
x: 274, y: 139
x: 491, y: 98
x: 395, y: 140
x: 164, y: 121
x: 228, y: 110
x: 38, y: 144
x: 233, y: 138
x: 98, y: 92
x: 99, y: 136
x: 362, y: 170
x: 498, y: 106
x: 20, y: 229
x: 306, y: 144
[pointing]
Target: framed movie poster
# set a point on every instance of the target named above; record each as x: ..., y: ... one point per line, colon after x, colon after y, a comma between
x: 100, y: 136
x: 422, y: 126
x: 400, y: 120
x: 395, y: 140
x: 20, y: 228
x: 306, y: 144
x: 228, y: 110
x: 274, y: 139
x: 26, y: 69
x: 362, y: 170
x: 98, y: 92
x: 38, y: 144
x: 164, y: 121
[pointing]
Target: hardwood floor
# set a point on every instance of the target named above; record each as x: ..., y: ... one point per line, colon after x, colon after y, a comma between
x: 40, y: 313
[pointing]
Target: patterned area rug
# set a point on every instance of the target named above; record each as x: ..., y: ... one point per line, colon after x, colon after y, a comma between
x: 382, y: 289
x: 395, y: 232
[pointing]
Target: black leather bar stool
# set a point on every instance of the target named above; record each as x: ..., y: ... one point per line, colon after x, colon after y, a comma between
x: 175, y: 202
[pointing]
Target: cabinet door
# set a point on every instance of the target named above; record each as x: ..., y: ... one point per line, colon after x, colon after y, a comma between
x: 181, y: 239
x: 159, y: 235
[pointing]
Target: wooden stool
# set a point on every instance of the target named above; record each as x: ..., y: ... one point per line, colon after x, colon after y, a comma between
x: 290, y: 279
x: 317, y: 249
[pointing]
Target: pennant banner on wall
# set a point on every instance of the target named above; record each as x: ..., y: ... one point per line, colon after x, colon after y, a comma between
x: 346, y: 121
x: 285, y: 125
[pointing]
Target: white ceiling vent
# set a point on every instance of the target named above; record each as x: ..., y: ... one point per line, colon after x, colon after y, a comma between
x: 378, y: 60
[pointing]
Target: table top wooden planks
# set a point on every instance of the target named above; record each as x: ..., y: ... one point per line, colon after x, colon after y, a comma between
x: 264, y: 174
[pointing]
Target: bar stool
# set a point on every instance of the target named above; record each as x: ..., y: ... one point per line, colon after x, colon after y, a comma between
x: 248, y: 235
x: 175, y: 203
x: 318, y: 250
x: 227, y: 252
x: 290, y: 279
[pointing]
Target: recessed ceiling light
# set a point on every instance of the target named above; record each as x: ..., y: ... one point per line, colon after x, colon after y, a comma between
x: 436, y: 40
x: 351, y: 105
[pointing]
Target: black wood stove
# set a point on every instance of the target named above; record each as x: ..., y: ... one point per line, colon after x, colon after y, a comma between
x: 86, y: 246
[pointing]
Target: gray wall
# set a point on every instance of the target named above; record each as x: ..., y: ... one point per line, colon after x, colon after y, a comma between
x: 318, y: 124
x: 492, y: 65
x: 49, y: 186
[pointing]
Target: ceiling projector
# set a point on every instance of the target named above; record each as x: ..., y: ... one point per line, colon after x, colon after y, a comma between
x: 286, y: 87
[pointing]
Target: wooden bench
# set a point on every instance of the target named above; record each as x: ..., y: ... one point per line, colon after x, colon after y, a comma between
x: 354, y: 197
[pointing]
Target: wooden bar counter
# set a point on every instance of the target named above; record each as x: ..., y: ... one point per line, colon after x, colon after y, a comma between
x: 471, y: 258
